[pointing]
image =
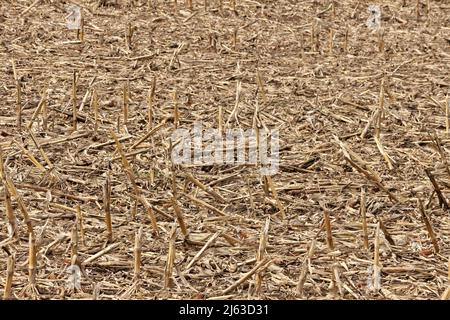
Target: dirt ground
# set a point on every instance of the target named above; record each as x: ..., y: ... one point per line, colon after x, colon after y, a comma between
x: 363, y: 120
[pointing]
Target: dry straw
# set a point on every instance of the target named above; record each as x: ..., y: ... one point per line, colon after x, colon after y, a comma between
x: 95, y: 107
x: 179, y: 216
x: 202, y: 251
x: 132, y: 179
x: 10, y: 214
x: 442, y: 200
x: 137, y: 253
x: 23, y: 209
x: 80, y: 225
x: 18, y: 97
x: 376, y: 260
x: 126, y: 89
x: 56, y: 151
x: 74, y: 101
x: 260, y: 254
x: 32, y: 264
x: 446, y: 294
x: 150, y: 103
x: 428, y: 226
x: 10, y: 265
x: 363, y: 210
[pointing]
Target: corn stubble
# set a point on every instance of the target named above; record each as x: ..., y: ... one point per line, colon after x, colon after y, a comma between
x: 88, y: 180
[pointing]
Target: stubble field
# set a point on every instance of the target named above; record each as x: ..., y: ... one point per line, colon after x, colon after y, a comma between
x: 358, y: 209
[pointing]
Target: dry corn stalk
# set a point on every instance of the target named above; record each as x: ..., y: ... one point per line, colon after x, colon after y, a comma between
x: 38, y: 110
x: 264, y: 237
x: 304, y: 268
x: 100, y: 253
x: 128, y: 35
x: 95, y: 109
x: 330, y: 41
x: 200, y: 253
x: 369, y: 123
x: 79, y: 221
x: 12, y: 229
x: 357, y: 163
x: 438, y: 145
x: 80, y: 32
x: 447, y: 115
x: 363, y: 210
x: 179, y: 216
x: 207, y: 189
x: 41, y: 151
x: 150, y: 102
x: 327, y: 223
x: 378, y: 140
x: 220, y: 119
x: 173, y: 176
x: 31, y: 6
x: 148, y: 135
x: 418, y: 10
x: 13, y: 191
x: 74, y: 260
x: 126, y: 88
x: 442, y: 201
x: 446, y: 294
x: 346, y: 40
x: 18, y: 97
x: 275, y: 196
x: 235, y: 111
x: 258, y: 268
x: 107, y: 207
x: 131, y: 178
x: 381, y: 40
x: 175, y: 56
x: 2, y: 165
x: 250, y: 198
x: 74, y: 101
x: 261, y: 86
x: 137, y: 253
x: 235, y: 38
x: 376, y: 260
x: 386, y: 233
x: 9, y: 277
x: 176, y: 115
x: 265, y: 186
x: 204, y: 204
x: 32, y: 260
x: 30, y: 156
x: 86, y: 95
x: 335, y: 275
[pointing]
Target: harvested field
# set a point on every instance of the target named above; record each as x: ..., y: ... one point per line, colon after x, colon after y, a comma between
x: 359, y: 206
